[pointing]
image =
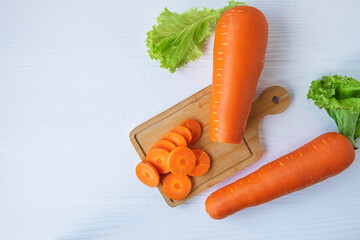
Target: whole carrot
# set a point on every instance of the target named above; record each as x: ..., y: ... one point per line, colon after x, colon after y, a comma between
x: 323, y: 157
x: 241, y: 36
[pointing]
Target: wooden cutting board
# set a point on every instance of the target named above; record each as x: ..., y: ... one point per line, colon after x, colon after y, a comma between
x: 226, y: 159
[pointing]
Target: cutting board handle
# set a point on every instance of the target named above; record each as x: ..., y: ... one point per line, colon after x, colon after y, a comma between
x: 273, y: 100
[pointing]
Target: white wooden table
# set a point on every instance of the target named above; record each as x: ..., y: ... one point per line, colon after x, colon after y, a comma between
x: 75, y: 78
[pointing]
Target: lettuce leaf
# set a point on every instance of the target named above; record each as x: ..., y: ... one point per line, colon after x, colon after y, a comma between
x: 177, y: 39
x: 340, y: 96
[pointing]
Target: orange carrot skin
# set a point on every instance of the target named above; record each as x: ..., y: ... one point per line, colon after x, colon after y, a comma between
x: 239, y: 51
x: 323, y: 157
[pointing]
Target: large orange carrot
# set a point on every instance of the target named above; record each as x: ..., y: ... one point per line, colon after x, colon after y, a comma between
x: 239, y: 50
x: 323, y: 157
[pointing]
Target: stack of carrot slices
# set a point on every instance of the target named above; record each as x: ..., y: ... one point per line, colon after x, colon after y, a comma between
x: 172, y: 156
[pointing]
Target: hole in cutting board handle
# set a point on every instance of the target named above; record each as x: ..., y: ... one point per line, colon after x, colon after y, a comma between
x: 275, y: 100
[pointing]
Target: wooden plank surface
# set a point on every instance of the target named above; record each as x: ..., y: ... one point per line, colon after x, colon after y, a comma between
x: 72, y: 74
x: 226, y: 159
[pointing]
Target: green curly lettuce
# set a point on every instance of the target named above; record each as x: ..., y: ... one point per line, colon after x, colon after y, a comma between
x: 340, y: 96
x: 177, y: 39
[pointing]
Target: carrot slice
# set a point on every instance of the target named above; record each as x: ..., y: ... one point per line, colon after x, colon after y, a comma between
x: 202, y: 163
x: 159, y: 159
x: 175, y: 138
x: 181, y: 161
x: 164, y: 144
x: 183, y: 131
x: 194, y: 127
x: 147, y: 174
x: 176, y: 187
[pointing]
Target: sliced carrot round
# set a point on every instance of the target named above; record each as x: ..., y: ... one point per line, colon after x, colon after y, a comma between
x: 147, y: 174
x: 194, y: 127
x: 164, y: 144
x: 159, y: 159
x: 183, y: 131
x: 202, y: 163
x: 175, y: 138
x: 176, y: 187
x: 181, y: 161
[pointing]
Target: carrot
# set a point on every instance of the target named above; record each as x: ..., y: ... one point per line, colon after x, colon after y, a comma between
x: 164, y: 144
x: 194, y: 127
x: 183, y: 131
x: 147, y: 174
x: 202, y: 163
x: 181, y: 161
x: 176, y: 187
x: 159, y: 159
x: 175, y: 138
x: 241, y: 36
x: 323, y: 157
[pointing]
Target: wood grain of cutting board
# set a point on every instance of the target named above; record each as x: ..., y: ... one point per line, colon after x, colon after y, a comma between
x: 226, y: 159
